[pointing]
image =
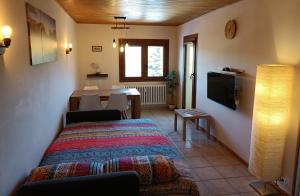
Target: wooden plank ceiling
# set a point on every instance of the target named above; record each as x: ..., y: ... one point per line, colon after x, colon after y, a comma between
x: 145, y: 12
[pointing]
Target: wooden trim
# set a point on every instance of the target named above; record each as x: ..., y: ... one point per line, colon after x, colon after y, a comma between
x: 230, y: 150
x: 245, y: 162
x: 144, y: 43
x: 190, y: 38
x: 194, y: 96
x: 194, y: 39
x: 144, y: 62
x: 296, y: 162
x: 184, y: 78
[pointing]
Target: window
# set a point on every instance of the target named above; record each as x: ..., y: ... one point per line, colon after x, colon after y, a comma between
x: 133, y: 61
x: 144, y: 60
x: 155, y: 61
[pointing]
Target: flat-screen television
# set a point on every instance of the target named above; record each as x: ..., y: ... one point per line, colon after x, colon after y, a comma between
x: 221, y: 88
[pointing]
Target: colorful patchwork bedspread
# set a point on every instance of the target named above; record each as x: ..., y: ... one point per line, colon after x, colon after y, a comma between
x: 103, y: 141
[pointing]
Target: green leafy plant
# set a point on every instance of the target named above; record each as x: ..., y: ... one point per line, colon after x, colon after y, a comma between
x: 172, y: 83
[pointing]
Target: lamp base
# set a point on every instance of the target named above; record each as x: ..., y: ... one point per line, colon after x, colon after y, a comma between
x: 264, y: 188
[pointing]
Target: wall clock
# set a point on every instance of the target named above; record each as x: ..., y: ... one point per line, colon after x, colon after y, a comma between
x: 230, y: 29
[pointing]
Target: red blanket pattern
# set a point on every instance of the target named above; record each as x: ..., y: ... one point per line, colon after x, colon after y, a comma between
x: 103, y: 141
x: 99, y: 142
x: 151, y: 169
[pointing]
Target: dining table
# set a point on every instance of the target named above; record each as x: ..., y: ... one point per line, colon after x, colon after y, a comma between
x: 133, y: 96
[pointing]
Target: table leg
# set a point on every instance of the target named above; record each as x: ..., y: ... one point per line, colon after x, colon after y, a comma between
x: 184, y: 130
x: 175, y: 122
x: 136, y: 107
x: 208, y: 127
x: 73, y: 103
x: 197, y: 123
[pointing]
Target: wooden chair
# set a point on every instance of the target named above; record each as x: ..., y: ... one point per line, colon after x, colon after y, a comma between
x: 117, y: 86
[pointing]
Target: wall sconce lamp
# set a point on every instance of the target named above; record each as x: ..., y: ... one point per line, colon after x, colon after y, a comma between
x: 5, y: 43
x: 69, y: 48
x: 114, y: 43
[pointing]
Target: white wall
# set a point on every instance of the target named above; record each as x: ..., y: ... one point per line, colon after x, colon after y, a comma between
x: 268, y: 32
x: 33, y: 98
x: 108, y: 59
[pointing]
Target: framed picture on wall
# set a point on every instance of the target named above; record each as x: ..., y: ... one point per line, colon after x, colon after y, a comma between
x: 41, y: 35
x: 96, y: 48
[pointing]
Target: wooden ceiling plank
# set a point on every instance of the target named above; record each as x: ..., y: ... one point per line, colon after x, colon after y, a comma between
x: 144, y: 12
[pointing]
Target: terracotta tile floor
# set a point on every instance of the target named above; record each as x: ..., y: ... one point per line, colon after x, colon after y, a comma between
x: 216, y: 170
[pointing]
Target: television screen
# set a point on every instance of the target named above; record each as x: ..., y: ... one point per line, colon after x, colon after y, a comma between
x: 221, y: 88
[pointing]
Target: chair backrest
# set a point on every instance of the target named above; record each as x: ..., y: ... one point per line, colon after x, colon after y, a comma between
x: 90, y: 102
x: 91, y: 88
x: 117, y: 102
x: 117, y: 86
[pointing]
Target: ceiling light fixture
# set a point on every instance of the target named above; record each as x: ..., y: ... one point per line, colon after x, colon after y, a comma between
x: 121, y: 48
x: 122, y: 28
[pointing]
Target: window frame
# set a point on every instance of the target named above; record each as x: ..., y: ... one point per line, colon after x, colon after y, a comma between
x: 144, y: 43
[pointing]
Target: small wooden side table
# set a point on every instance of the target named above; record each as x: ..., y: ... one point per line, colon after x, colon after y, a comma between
x: 191, y: 114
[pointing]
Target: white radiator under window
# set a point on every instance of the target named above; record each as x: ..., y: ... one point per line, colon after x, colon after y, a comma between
x: 151, y: 94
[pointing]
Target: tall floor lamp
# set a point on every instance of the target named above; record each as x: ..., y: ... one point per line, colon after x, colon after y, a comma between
x: 272, y: 104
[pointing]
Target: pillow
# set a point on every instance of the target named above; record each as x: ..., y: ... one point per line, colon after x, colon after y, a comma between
x: 154, y: 169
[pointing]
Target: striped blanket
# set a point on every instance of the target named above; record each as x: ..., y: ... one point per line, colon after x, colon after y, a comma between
x: 103, y: 141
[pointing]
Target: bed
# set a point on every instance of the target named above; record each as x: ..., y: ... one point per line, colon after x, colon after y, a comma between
x: 103, y: 141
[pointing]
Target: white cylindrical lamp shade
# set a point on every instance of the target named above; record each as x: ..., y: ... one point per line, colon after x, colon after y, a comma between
x: 272, y: 105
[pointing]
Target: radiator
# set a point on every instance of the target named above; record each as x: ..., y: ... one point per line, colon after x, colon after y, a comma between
x: 151, y: 94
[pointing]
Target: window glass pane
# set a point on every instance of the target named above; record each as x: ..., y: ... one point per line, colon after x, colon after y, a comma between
x: 155, y: 61
x: 133, y: 62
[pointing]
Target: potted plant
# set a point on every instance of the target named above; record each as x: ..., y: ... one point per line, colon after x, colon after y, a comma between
x: 172, y: 83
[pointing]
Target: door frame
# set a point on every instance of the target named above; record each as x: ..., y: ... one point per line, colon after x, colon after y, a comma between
x: 194, y: 39
x: 296, y: 180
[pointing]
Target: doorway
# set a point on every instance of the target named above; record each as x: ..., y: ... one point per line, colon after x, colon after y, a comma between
x: 190, y: 71
x: 296, y: 183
